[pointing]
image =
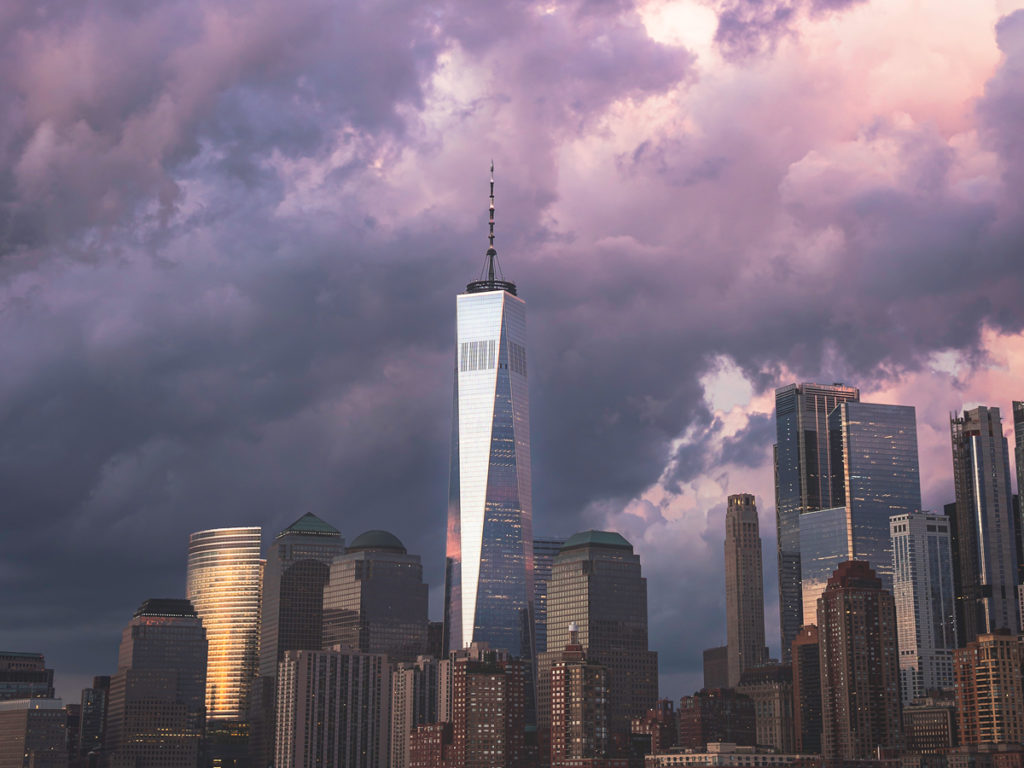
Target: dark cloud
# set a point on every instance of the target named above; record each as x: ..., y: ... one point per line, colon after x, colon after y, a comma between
x: 753, y: 27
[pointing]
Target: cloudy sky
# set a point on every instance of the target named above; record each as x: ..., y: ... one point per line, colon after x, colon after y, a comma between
x: 231, y: 234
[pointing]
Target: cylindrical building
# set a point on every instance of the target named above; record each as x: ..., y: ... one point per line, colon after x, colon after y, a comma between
x: 225, y: 577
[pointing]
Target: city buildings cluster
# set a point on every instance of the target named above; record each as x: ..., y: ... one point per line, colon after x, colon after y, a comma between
x: 900, y: 627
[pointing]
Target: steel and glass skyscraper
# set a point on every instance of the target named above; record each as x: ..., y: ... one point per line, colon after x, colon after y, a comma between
x: 803, y: 482
x: 489, y: 564
x: 225, y: 580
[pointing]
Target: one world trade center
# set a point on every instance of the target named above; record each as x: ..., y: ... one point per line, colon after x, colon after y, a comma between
x: 489, y: 558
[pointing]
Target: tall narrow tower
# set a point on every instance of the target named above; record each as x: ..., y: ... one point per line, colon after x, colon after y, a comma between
x: 489, y: 564
x: 744, y: 587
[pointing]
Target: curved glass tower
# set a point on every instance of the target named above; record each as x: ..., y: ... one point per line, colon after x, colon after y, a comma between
x: 225, y: 578
x: 489, y: 566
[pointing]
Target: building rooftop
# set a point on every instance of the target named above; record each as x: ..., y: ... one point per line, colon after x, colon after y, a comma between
x: 377, y: 540
x: 173, y: 607
x: 596, y: 539
x: 310, y: 525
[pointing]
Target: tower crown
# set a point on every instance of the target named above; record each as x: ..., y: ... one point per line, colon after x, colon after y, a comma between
x: 487, y: 280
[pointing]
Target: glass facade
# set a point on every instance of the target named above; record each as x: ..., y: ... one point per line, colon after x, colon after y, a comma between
x: 922, y: 565
x: 985, y: 558
x: 824, y: 544
x: 375, y: 601
x: 544, y: 551
x: 489, y: 569
x: 225, y: 578
x: 803, y: 482
x: 874, y: 450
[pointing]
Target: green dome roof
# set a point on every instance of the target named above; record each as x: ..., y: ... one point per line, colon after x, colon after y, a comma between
x: 596, y: 539
x: 310, y: 525
x: 376, y: 540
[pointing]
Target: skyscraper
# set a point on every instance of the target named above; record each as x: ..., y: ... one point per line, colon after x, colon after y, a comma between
x: 156, y: 712
x: 291, y: 618
x: 414, y: 699
x: 860, y: 692
x: 770, y: 687
x: 803, y: 482
x: 1018, y: 443
x: 225, y: 576
x: 24, y: 676
x: 744, y: 587
x: 92, y: 727
x: 489, y: 562
x: 924, y: 597
x: 984, y: 556
x: 544, y: 551
x: 333, y: 708
x: 375, y: 599
x: 33, y: 732
x: 807, y: 691
x: 875, y: 475
x: 597, y: 584
x: 579, y: 714
x: 989, y: 697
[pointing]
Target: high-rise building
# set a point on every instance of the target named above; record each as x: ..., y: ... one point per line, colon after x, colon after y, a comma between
x: 716, y: 667
x: 860, y: 694
x: 544, y: 552
x: 875, y: 475
x: 989, y: 698
x: 291, y: 618
x: 414, y: 699
x: 803, y: 482
x: 597, y: 584
x: 225, y: 577
x: 375, y: 599
x: 93, y: 723
x: 333, y: 709
x: 33, y: 733
x: 924, y: 597
x: 807, y: 691
x: 984, y: 554
x: 156, y: 712
x: 579, y: 713
x: 770, y: 687
x: 1018, y: 443
x: 660, y: 725
x: 24, y: 676
x: 489, y: 562
x: 744, y: 587
x: 298, y: 564
x: 716, y: 714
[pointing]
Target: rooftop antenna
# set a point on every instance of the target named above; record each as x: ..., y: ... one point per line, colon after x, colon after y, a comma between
x: 491, y: 277
x: 491, y: 252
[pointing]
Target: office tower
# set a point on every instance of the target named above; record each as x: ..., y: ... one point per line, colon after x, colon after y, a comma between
x: 93, y: 723
x: 414, y: 697
x: 744, y: 588
x: 579, y: 713
x: 33, y: 733
x: 24, y: 676
x: 716, y: 667
x: 1018, y: 443
x: 807, y: 691
x: 716, y: 714
x: 929, y: 724
x: 860, y: 694
x: 660, y: 725
x: 597, y: 584
x: 333, y: 708
x: 225, y: 577
x: 803, y: 482
x: 875, y: 475
x: 291, y: 617
x: 924, y: 598
x: 375, y: 599
x: 770, y: 687
x: 73, y: 725
x: 989, y: 699
x: 984, y: 558
x: 489, y: 561
x: 544, y: 551
x: 298, y: 564
x: 156, y: 711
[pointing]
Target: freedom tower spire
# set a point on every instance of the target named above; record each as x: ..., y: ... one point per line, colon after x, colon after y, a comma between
x: 489, y: 559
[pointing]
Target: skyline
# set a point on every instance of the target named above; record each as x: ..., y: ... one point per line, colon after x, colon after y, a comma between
x: 269, y: 333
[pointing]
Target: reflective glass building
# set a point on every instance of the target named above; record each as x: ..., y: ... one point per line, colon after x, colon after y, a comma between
x: 225, y: 577
x: 984, y: 553
x: 489, y: 563
x: 544, y: 551
x: 803, y: 482
x: 823, y: 546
